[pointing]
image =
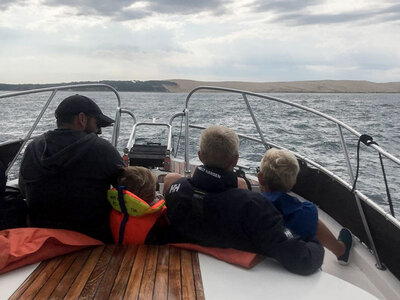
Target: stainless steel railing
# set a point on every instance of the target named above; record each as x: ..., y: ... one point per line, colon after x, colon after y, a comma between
x: 340, y: 125
x: 302, y: 107
x: 132, y: 136
x: 54, y: 90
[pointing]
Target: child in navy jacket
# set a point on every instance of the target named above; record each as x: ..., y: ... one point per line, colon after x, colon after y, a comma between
x: 277, y: 176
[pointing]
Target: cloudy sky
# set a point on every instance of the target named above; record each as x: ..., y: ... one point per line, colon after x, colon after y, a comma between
x: 48, y: 41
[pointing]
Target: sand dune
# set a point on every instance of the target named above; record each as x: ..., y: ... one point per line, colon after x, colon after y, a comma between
x: 318, y: 86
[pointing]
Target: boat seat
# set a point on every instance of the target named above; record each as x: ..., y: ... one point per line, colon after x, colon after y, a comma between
x: 8, y: 151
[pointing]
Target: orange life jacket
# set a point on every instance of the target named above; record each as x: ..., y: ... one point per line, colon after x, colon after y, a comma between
x: 128, y: 229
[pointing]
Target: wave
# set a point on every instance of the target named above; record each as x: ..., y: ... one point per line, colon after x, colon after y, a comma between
x: 376, y: 114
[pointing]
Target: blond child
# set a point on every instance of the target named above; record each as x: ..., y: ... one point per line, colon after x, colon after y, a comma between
x: 277, y: 176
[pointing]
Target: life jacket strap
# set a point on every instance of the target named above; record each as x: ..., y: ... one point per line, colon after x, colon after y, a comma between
x: 125, y: 212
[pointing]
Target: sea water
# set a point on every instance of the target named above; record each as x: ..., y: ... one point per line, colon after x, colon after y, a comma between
x: 302, y: 132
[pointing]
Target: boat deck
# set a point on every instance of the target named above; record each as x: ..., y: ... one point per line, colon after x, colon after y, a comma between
x: 361, y: 270
x: 117, y: 272
x: 165, y: 272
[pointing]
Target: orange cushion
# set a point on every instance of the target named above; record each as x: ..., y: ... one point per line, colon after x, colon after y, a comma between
x: 23, y: 246
x: 237, y: 257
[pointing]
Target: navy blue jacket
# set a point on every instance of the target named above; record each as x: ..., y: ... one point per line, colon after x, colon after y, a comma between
x: 300, y: 217
x: 208, y: 209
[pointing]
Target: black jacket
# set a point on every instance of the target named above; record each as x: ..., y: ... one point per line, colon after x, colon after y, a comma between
x: 208, y: 209
x: 65, y: 175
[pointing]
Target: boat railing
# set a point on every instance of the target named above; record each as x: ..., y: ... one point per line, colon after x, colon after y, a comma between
x: 54, y: 90
x: 126, y: 111
x: 132, y: 136
x: 339, y: 124
x: 324, y: 170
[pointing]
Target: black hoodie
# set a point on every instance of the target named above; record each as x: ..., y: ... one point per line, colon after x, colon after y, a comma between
x: 64, y: 175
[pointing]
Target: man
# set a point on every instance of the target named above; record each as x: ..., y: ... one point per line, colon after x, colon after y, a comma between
x: 66, y: 172
x: 208, y: 209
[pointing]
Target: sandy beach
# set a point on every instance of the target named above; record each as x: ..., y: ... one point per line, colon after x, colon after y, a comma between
x: 317, y: 86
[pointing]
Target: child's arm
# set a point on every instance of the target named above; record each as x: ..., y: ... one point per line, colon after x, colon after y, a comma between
x: 300, y: 217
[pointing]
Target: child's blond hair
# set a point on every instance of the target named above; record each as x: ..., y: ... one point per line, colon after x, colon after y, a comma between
x: 218, y: 146
x: 140, y: 181
x: 279, y: 168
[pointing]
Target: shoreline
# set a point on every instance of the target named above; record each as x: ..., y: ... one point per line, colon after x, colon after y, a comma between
x: 185, y: 86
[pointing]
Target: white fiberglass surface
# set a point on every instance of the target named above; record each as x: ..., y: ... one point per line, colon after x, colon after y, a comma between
x: 268, y: 280
x: 10, y: 281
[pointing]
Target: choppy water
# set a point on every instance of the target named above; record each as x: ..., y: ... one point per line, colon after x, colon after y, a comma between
x: 302, y: 132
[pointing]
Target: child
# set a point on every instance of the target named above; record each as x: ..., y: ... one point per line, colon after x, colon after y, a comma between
x: 139, y: 181
x: 137, y: 206
x: 277, y: 176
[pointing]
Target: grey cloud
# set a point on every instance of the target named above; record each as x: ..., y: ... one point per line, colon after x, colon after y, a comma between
x: 376, y: 16
x: 285, y: 6
x: 120, y: 9
x: 297, y: 13
x: 110, y: 8
x: 5, y: 4
x: 390, y: 14
x: 130, y: 14
x: 321, y: 18
x: 187, y: 6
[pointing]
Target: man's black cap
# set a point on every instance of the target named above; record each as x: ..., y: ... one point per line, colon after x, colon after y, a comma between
x: 73, y: 105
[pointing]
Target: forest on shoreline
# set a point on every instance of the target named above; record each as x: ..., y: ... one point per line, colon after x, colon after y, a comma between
x: 184, y: 86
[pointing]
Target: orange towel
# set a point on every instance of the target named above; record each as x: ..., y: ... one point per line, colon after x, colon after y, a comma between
x: 23, y: 246
x: 233, y: 256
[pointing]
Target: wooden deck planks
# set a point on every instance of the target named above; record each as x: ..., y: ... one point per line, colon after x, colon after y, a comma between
x: 149, y: 274
x: 30, y: 280
x: 174, y: 274
x: 41, y: 279
x: 117, y: 272
x: 187, y: 275
x: 161, y: 282
x: 97, y: 274
x: 56, y: 277
x: 124, y: 272
x: 66, y: 282
x: 135, y: 280
x: 17, y: 294
x: 198, y: 283
x: 80, y: 281
x: 110, y: 273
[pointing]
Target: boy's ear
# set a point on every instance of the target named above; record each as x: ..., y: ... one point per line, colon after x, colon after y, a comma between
x: 261, y: 183
x: 236, y: 159
x: 261, y: 180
